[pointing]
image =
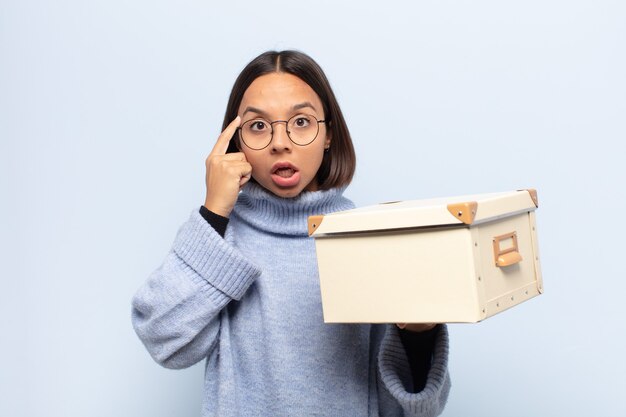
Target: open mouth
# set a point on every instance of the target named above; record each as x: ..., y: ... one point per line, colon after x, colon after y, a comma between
x: 285, y: 174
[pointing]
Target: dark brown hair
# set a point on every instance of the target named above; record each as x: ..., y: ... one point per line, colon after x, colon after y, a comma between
x: 339, y: 163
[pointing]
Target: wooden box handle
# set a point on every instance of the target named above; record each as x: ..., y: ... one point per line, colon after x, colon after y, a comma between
x: 508, y: 256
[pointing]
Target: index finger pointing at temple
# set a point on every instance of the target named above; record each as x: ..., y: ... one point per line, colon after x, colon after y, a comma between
x: 221, y: 146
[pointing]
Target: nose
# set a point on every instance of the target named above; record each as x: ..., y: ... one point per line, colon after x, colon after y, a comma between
x: 280, y: 139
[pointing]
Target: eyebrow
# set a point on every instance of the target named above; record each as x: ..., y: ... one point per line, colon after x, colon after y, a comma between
x: 254, y: 110
x: 303, y: 105
x: 295, y: 107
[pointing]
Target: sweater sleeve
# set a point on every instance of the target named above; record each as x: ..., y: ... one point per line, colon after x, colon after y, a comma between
x: 176, y: 312
x: 419, y: 351
x: 395, y: 375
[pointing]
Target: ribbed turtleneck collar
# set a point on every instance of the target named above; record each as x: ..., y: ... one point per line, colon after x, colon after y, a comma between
x: 288, y: 216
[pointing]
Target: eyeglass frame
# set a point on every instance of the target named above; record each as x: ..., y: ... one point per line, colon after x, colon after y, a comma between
x: 286, y: 122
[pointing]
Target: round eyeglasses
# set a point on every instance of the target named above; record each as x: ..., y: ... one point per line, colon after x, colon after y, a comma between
x: 257, y: 134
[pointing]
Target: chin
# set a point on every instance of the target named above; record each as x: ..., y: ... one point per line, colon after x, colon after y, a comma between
x: 287, y: 193
x: 290, y: 192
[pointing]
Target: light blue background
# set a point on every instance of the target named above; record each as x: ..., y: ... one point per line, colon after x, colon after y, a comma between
x: 109, y: 108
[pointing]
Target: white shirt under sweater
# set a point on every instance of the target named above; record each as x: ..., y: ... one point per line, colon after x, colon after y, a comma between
x: 250, y: 306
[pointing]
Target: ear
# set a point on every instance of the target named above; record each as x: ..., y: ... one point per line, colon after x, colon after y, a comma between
x: 329, y: 137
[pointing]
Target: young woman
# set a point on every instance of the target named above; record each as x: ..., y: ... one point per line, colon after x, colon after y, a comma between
x: 240, y: 287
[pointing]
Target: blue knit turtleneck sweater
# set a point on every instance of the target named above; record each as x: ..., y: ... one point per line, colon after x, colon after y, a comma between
x: 250, y: 305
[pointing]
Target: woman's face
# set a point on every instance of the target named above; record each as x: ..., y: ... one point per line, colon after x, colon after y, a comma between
x: 284, y: 168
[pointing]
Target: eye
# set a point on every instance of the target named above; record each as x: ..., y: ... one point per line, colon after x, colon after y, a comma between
x: 258, y: 125
x: 302, y: 121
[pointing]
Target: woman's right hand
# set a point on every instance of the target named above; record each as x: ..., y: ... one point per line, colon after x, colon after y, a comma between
x: 226, y: 173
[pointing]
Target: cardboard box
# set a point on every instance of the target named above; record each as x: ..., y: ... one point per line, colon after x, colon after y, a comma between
x: 458, y: 259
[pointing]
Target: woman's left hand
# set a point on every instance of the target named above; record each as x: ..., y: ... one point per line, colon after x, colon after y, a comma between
x: 416, y: 327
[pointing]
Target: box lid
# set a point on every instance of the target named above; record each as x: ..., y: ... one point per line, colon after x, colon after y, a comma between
x: 449, y: 211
